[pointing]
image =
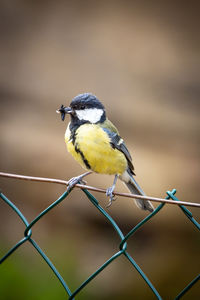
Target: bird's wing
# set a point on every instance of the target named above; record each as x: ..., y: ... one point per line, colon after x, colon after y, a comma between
x: 109, y: 125
x: 117, y: 142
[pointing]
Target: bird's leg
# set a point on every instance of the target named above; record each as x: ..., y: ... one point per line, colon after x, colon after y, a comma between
x: 79, y: 179
x: 109, y: 191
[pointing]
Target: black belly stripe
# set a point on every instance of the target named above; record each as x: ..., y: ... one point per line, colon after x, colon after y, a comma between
x: 83, y: 157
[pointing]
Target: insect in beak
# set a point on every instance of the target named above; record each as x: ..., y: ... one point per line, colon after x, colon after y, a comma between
x: 64, y: 110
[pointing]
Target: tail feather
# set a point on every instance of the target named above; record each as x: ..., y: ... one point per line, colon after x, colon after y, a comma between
x: 134, y: 188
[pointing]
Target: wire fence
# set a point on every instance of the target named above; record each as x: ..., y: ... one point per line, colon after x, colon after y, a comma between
x: 170, y: 199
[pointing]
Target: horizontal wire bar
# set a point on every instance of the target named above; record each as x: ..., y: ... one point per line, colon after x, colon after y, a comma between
x: 91, y: 188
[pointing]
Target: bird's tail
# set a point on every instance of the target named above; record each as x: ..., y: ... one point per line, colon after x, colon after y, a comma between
x: 134, y: 188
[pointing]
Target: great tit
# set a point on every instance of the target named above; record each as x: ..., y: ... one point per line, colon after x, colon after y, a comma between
x: 96, y: 144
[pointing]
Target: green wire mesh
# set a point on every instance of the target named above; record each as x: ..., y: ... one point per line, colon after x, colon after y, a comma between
x: 122, y: 244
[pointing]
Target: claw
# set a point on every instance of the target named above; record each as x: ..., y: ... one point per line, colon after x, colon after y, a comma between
x: 78, y: 179
x: 73, y: 181
x: 109, y: 193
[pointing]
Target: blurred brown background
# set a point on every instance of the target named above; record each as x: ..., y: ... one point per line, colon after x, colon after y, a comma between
x: 141, y: 59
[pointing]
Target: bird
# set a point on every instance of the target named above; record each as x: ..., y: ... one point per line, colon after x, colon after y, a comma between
x: 97, y: 146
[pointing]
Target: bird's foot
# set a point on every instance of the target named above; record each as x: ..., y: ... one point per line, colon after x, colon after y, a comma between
x: 110, y: 190
x: 78, y: 179
x: 74, y: 180
x: 109, y: 193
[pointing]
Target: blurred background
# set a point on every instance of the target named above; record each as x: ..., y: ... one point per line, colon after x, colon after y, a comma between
x: 141, y: 59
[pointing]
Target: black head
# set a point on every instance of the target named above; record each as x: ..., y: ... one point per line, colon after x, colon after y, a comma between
x: 84, y: 108
x: 86, y: 100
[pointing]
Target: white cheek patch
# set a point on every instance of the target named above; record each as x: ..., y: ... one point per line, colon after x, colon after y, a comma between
x: 93, y: 115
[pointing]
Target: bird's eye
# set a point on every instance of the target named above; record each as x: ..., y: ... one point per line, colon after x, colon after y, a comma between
x: 82, y: 106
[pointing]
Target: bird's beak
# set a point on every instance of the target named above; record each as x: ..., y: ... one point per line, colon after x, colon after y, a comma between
x: 64, y: 110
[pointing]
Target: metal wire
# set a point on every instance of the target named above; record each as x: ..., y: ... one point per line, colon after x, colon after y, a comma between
x: 170, y: 198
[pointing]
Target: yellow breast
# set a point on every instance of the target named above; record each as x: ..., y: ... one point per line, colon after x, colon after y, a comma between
x: 93, y: 151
